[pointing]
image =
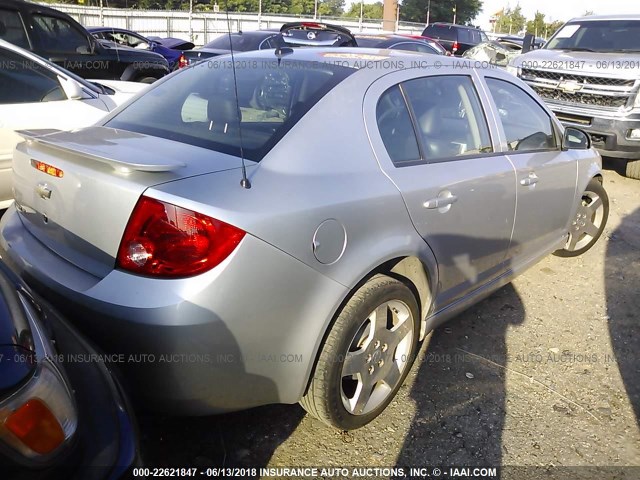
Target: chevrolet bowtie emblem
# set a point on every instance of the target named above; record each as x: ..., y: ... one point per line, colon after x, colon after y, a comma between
x: 570, y: 86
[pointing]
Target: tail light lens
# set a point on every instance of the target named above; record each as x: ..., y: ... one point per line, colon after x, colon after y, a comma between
x: 455, y: 47
x: 164, y: 240
x: 183, y: 62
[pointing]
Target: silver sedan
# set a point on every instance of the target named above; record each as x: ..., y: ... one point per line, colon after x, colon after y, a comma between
x: 289, y: 226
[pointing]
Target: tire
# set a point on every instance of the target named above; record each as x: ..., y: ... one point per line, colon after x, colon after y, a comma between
x: 146, y: 79
x: 380, y: 355
x: 589, y: 222
x: 633, y: 169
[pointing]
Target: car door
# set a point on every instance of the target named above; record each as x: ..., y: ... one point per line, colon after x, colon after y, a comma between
x: 13, y: 30
x: 32, y: 97
x: 546, y: 175
x: 433, y: 141
x: 65, y: 44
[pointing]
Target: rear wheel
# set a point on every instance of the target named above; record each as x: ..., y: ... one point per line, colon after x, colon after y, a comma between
x: 589, y: 222
x: 366, y: 356
x: 633, y: 169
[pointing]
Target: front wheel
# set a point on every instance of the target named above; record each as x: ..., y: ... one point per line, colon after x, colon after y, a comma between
x: 633, y: 169
x: 589, y: 221
x: 366, y: 355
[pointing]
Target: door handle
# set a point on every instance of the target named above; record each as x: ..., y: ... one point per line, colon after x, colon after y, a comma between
x: 440, y: 202
x: 532, y: 179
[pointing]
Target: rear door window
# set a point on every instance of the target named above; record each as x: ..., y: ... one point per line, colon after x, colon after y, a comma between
x: 12, y: 29
x: 441, y: 32
x: 396, y: 129
x: 449, y: 117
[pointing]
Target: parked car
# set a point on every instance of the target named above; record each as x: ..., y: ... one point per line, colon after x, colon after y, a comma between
x: 127, y: 38
x: 396, y: 42
x: 36, y: 94
x: 57, y: 37
x: 589, y: 75
x: 250, y: 252
x: 515, y: 42
x: 495, y: 53
x: 63, y: 413
x: 430, y: 41
x: 457, y: 39
x: 293, y: 34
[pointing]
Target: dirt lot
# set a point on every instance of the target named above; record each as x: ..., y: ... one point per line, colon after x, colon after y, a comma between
x: 543, y: 373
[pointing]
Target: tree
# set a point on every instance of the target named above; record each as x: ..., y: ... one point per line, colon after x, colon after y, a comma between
x: 511, y: 21
x: 552, y: 28
x: 331, y: 8
x: 370, y: 10
x: 441, y: 10
x: 536, y: 26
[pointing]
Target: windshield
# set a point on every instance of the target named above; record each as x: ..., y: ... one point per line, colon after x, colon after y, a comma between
x: 598, y: 36
x: 198, y: 106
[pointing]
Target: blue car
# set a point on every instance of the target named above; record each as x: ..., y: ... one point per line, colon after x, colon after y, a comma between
x: 63, y: 412
x: 169, y: 48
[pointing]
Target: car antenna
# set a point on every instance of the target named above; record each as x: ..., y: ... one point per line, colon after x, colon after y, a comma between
x: 244, y: 183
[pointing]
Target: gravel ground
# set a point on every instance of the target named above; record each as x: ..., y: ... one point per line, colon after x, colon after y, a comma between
x: 544, y: 373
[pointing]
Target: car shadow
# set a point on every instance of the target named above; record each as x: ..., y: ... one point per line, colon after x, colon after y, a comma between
x: 241, y: 439
x: 618, y: 165
x: 459, y: 389
x: 622, y: 280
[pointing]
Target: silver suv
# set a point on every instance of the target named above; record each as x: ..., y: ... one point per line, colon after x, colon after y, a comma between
x: 589, y: 75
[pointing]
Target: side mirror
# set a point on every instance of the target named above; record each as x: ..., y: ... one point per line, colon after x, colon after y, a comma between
x: 575, y: 139
x: 71, y: 89
x: 527, y: 43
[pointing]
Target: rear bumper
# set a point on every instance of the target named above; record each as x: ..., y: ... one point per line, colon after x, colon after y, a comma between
x: 106, y: 439
x: 241, y: 335
x: 609, y: 133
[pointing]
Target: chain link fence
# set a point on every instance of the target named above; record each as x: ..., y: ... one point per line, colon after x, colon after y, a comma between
x: 202, y: 27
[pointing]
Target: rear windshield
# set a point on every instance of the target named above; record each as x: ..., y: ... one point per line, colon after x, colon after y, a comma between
x: 239, y: 41
x: 198, y: 105
x: 598, y: 36
x: 441, y: 31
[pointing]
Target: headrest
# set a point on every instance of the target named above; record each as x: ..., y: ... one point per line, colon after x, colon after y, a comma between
x: 222, y: 110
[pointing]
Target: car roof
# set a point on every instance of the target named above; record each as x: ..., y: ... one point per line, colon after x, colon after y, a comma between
x: 595, y: 18
x: 357, y: 58
x: 22, y: 5
x: 451, y: 25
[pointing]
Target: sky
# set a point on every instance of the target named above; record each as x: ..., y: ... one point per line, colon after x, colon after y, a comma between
x: 556, y: 9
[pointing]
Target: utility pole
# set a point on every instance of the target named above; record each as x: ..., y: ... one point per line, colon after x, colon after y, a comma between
x: 315, y: 10
x: 455, y: 8
x: 428, y: 12
x: 361, y: 13
x: 389, y: 15
x: 259, y: 14
x: 190, y: 20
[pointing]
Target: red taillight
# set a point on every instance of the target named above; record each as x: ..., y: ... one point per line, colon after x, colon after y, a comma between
x: 183, y: 62
x: 455, y: 47
x: 164, y: 240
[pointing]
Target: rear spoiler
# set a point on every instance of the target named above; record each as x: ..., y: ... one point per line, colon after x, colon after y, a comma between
x: 344, y: 37
x: 64, y: 142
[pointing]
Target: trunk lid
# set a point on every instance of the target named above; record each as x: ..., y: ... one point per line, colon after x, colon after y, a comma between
x: 75, y: 191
